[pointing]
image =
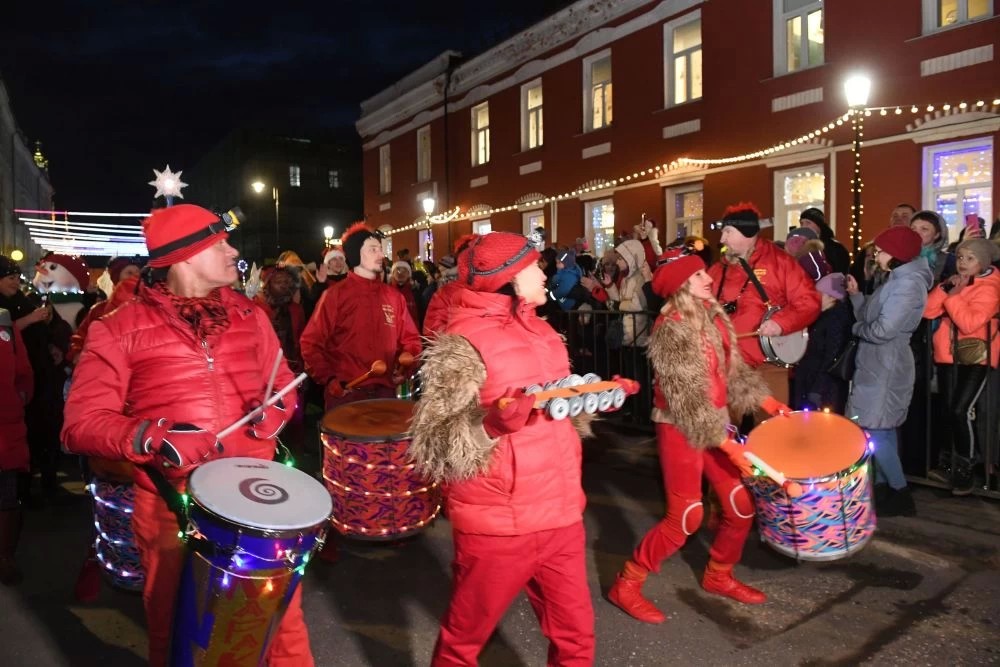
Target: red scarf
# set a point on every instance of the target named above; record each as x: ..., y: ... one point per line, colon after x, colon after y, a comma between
x: 207, y: 315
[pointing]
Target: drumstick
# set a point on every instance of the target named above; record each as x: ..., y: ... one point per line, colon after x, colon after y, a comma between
x: 274, y: 372
x: 768, y: 470
x: 378, y: 368
x: 752, y: 334
x: 299, y: 379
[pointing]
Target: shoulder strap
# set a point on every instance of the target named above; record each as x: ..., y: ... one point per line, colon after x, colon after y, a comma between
x: 170, y: 495
x: 756, y: 283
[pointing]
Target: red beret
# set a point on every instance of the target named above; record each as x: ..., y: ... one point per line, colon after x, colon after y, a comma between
x: 673, y: 270
x: 901, y: 242
x: 492, y: 260
x: 180, y: 232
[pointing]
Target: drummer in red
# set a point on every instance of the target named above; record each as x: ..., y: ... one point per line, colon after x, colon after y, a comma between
x: 699, y: 374
x: 163, y: 373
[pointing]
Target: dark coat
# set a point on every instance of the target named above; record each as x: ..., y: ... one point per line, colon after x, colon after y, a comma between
x: 812, y: 386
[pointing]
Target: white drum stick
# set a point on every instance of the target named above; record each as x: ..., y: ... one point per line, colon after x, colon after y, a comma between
x: 268, y: 403
x: 763, y: 465
x: 274, y: 373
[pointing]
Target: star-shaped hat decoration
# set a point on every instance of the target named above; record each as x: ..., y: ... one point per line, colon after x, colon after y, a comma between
x: 168, y: 184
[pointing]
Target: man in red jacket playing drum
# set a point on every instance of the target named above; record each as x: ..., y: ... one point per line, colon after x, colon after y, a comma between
x: 160, y: 376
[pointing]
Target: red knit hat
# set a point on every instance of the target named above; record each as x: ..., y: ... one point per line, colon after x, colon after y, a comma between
x: 674, y: 267
x: 901, y: 242
x: 180, y: 232
x: 492, y: 260
x: 74, y: 265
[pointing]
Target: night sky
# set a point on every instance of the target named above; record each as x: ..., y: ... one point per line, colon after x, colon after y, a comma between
x: 116, y: 88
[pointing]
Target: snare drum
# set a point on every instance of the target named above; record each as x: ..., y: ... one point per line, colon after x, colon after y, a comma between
x: 828, y: 455
x: 376, y: 494
x: 114, y: 500
x: 253, y: 525
x: 785, y: 350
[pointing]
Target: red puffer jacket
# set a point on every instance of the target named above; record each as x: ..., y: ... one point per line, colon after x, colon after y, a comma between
x: 533, y: 482
x: 436, y: 316
x: 17, y: 383
x: 143, y: 362
x: 786, y: 285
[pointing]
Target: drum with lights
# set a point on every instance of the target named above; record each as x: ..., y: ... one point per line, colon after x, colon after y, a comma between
x: 826, y: 457
x: 114, y: 500
x: 252, y: 527
x: 376, y: 493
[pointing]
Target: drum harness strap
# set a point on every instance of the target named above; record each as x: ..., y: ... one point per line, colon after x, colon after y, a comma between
x: 752, y: 277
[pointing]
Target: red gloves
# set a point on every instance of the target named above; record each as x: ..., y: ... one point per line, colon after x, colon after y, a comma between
x: 177, y: 445
x: 334, y: 389
x: 269, y: 423
x: 734, y: 451
x: 774, y: 407
x: 504, y: 421
x: 630, y: 386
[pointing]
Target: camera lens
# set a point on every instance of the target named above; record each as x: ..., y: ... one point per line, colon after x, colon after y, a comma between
x: 729, y: 307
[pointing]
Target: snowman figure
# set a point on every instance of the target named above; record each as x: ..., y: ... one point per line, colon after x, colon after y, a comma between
x: 62, y: 279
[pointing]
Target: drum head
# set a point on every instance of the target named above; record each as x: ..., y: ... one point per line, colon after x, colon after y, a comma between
x: 806, y: 445
x: 260, y: 494
x: 376, y: 420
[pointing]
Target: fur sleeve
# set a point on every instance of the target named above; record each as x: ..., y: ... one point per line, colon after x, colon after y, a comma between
x: 449, y: 443
x: 677, y: 354
x: 582, y: 423
x: 746, y: 387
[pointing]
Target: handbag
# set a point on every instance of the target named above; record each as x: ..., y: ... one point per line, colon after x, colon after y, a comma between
x: 843, y: 366
x: 970, y: 351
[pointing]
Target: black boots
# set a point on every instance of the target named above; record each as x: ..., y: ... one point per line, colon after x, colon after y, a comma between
x: 896, y: 502
x: 962, y: 478
x: 10, y: 531
x: 942, y: 473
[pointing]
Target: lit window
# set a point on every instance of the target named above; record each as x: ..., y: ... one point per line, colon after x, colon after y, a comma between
x: 798, y: 35
x: 424, y: 154
x: 958, y: 181
x: 482, y: 227
x: 333, y: 178
x: 794, y: 191
x: 425, y: 239
x: 531, y: 115
x: 294, y: 175
x: 682, y: 46
x: 685, y: 212
x: 597, y: 107
x: 481, y: 134
x: 533, y: 226
x: 384, y: 169
x: 940, y: 14
x: 600, y: 225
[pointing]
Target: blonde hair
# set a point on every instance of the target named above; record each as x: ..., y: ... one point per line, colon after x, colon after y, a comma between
x: 291, y: 258
x: 701, y: 314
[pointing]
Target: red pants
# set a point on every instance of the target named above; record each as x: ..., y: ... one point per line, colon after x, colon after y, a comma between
x: 682, y: 467
x: 489, y: 573
x: 162, y: 555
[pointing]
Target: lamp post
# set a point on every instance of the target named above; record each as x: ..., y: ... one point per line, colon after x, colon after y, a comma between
x: 258, y: 187
x: 856, y: 89
x: 327, y: 237
x: 429, y: 203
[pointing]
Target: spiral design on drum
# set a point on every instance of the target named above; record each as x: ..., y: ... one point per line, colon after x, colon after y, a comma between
x: 263, y: 491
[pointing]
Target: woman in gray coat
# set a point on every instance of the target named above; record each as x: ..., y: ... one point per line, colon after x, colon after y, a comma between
x: 883, y: 380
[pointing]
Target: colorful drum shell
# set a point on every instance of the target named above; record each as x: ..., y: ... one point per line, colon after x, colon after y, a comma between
x: 240, y: 573
x: 828, y: 456
x: 115, y: 544
x: 376, y: 493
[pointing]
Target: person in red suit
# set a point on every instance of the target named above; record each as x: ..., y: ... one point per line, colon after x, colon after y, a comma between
x: 514, y: 496
x: 17, y: 384
x: 185, y: 358
x: 358, y: 321
x: 436, y: 316
x: 699, y: 374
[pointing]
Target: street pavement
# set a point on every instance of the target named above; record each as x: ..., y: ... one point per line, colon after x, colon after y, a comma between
x: 924, y: 591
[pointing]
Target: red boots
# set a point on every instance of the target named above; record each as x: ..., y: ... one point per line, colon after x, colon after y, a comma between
x: 719, y: 579
x: 627, y: 594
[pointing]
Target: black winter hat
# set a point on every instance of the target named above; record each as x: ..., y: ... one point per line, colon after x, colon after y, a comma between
x: 8, y: 267
x: 744, y: 217
x: 813, y: 215
x: 353, y: 239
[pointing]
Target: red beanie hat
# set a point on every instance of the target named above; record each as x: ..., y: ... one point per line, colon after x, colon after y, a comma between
x: 901, y: 242
x: 673, y: 270
x: 118, y: 264
x: 74, y: 265
x: 180, y: 232
x: 492, y: 260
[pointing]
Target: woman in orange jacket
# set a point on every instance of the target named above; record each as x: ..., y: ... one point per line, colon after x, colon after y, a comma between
x: 968, y: 304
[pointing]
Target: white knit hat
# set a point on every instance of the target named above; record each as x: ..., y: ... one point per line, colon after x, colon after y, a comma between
x: 333, y: 252
x: 402, y: 265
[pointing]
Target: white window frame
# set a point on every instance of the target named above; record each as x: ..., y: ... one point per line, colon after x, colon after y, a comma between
x: 781, y: 209
x: 931, y: 193
x: 780, y: 50
x: 384, y: 169
x: 588, y: 96
x: 481, y: 227
x: 588, y: 229
x: 294, y: 175
x: 528, y: 113
x: 529, y: 221
x: 669, y: 58
x: 929, y: 11
x: 696, y: 226
x: 424, y: 154
x: 480, y: 136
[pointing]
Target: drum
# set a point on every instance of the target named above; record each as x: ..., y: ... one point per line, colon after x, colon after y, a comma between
x: 376, y: 494
x: 785, y: 350
x: 114, y: 500
x: 828, y: 456
x: 253, y: 525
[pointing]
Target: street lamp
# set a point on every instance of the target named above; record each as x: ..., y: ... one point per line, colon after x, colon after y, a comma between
x: 856, y: 89
x: 429, y: 203
x: 258, y: 187
x: 327, y: 236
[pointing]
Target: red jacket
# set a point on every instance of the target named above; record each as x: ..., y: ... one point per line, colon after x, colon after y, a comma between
x: 123, y: 291
x: 436, y: 317
x: 143, y: 362
x: 17, y: 383
x: 786, y: 285
x: 533, y: 482
x: 358, y: 321
x: 406, y: 289
x: 969, y: 311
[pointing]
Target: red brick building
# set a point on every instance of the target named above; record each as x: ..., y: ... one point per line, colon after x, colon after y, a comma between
x: 578, y: 123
